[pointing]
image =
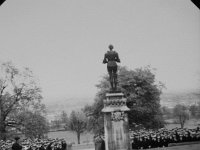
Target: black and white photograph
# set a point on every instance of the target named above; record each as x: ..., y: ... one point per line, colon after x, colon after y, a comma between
x: 99, y: 74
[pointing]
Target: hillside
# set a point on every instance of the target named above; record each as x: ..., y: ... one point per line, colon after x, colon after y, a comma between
x: 56, y: 105
x: 173, y: 98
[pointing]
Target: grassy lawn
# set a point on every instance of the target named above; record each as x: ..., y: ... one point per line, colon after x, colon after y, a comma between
x: 71, y: 137
x: 192, y: 123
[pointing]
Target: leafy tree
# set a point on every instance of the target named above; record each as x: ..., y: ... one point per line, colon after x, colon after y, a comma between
x: 198, y: 110
x: 64, y: 117
x: 77, y: 123
x: 32, y: 121
x: 18, y: 91
x: 194, y: 110
x: 60, y: 121
x: 56, y: 123
x: 143, y: 94
x: 35, y: 125
x: 167, y: 112
x: 143, y: 97
x: 181, y: 114
x: 95, y: 122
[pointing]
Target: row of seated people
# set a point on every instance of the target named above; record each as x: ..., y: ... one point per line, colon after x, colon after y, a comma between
x: 144, y: 139
x: 35, y: 144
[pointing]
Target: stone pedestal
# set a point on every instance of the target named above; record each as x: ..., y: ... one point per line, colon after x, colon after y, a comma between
x: 116, y: 122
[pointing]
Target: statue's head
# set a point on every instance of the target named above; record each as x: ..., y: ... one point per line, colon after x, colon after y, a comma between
x: 110, y: 47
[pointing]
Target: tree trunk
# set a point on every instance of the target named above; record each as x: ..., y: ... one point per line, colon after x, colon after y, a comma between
x: 180, y: 121
x: 2, y: 128
x: 182, y: 125
x: 78, y: 137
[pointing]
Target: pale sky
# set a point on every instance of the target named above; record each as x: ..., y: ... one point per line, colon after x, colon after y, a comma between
x: 63, y: 41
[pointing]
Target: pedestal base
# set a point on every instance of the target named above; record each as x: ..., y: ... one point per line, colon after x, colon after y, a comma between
x: 116, y: 122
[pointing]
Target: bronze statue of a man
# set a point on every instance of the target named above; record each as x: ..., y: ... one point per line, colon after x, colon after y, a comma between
x: 111, y: 57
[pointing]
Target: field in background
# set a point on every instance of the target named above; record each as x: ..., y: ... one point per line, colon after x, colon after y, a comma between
x: 71, y: 137
x: 191, y: 124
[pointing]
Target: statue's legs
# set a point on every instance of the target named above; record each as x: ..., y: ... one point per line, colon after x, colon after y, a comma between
x: 112, y: 70
x: 115, y: 77
x: 111, y: 79
x: 115, y: 80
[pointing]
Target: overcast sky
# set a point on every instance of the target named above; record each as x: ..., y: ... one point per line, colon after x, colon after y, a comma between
x: 64, y: 41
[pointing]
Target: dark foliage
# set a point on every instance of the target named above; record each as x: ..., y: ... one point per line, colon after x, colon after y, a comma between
x: 143, y: 98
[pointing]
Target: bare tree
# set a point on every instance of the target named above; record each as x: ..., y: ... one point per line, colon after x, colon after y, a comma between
x: 17, y: 90
x: 77, y: 123
x: 181, y: 113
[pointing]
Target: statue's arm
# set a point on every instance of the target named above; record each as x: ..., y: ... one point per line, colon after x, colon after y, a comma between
x: 117, y: 58
x: 105, y: 59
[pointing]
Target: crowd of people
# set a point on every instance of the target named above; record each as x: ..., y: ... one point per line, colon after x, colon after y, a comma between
x: 35, y: 144
x: 140, y: 139
x: 145, y: 139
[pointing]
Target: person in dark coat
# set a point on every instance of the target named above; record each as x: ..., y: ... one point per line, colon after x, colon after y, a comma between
x: 49, y: 146
x: 153, y: 142
x: 64, y: 145
x: 42, y: 147
x: 166, y: 141
x: 103, y: 147
x: 135, y: 143
x: 16, y: 145
x: 30, y: 148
